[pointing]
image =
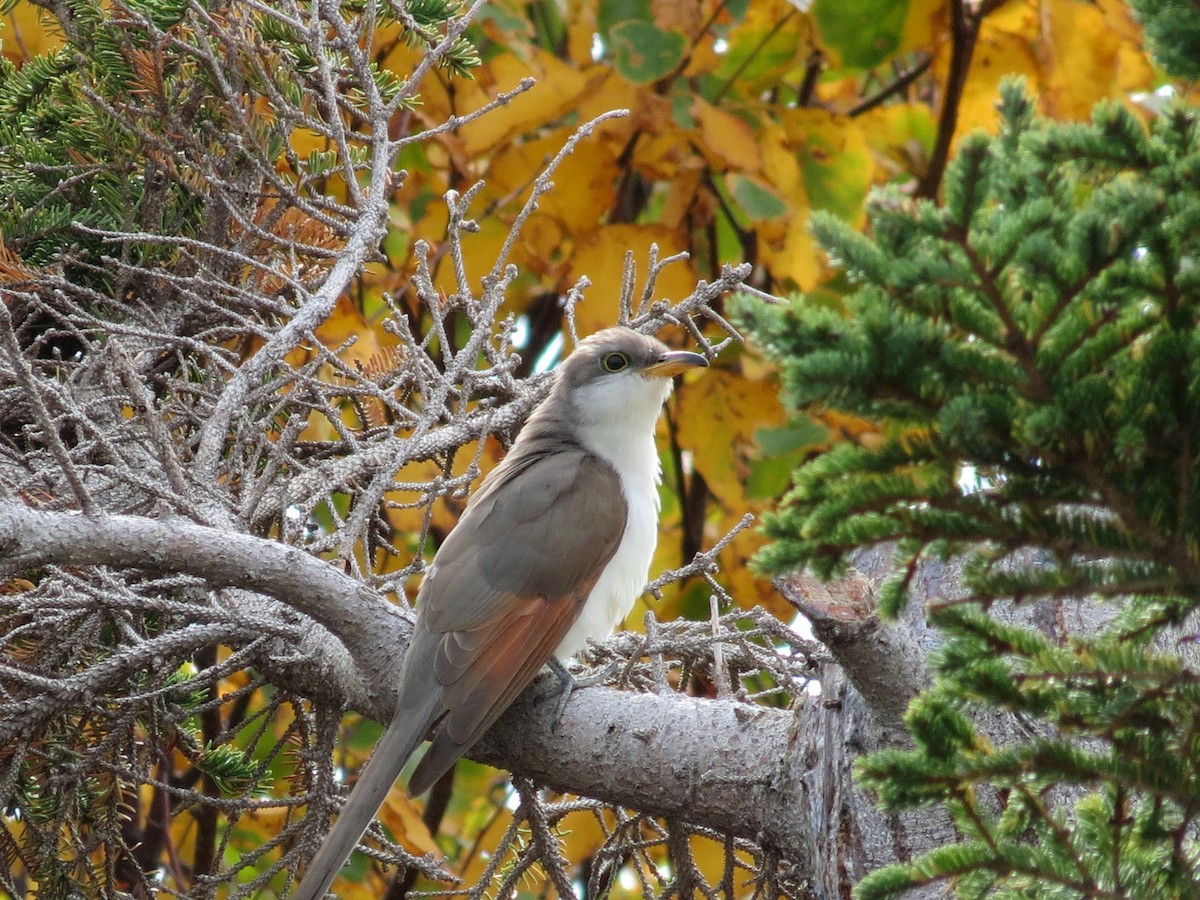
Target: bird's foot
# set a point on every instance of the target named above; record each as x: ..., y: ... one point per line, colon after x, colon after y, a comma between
x: 568, y: 684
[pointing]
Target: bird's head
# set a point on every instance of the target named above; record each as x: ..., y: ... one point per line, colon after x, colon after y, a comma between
x: 618, y: 377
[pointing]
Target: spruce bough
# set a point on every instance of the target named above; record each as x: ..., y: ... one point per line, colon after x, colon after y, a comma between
x: 1040, y: 329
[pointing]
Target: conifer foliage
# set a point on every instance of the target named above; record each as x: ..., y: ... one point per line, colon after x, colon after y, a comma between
x: 1032, y: 346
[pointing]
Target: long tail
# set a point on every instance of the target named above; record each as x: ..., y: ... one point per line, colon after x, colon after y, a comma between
x: 379, y: 774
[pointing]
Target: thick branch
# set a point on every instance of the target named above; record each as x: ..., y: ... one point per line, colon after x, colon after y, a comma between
x: 884, y: 663
x: 727, y: 764
x: 370, y: 628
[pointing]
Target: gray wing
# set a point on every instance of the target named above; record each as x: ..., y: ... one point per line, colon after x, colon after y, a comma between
x: 541, y: 527
x: 506, y: 586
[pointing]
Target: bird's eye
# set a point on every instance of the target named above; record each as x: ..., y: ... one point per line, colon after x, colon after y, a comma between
x: 615, y: 362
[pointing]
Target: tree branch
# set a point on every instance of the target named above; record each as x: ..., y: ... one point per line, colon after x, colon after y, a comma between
x: 965, y: 22
x: 884, y: 663
x: 372, y: 631
x: 612, y: 745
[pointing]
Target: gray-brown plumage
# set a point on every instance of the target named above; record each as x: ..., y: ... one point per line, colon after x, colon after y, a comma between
x: 551, y: 551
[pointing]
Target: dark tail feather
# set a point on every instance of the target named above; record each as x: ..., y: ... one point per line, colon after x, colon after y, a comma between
x: 443, y: 753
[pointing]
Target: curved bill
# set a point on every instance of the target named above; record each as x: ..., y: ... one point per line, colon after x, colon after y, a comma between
x: 674, y: 362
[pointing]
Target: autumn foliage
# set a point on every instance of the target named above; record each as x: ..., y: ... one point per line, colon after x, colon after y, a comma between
x: 742, y: 119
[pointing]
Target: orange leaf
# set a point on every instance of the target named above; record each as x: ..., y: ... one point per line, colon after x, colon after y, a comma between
x: 678, y: 15
x: 845, y: 425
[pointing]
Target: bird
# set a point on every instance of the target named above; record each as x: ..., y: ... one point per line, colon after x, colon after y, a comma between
x: 551, y: 551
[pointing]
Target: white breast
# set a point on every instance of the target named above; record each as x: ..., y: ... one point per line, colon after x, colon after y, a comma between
x: 621, y: 431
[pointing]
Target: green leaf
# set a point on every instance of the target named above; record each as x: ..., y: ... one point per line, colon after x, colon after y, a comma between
x: 795, y: 436
x: 612, y: 13
x: 769, y: 478
x: 755, y: 55
x: 864, y: 33
x: 644, y: 54
x: 757, y: 201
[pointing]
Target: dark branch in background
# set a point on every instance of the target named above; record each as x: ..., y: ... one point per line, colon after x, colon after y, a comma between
x: 898, y: 84
x: 813, y: 67
x: 965, y: 22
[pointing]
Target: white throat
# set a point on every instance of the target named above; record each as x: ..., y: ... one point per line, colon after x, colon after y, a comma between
x: 616, y: 422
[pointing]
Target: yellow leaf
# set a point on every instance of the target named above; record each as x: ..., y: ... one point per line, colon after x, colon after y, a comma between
x: 1078, y: 56
x: 583, y: 183
x: 799, y: 258
x: 1134, y: 72
x: 1133, y: 69
x: 372, y: 349
x: 346, y: 322
x: 718, y: 415
x: 581, y: 835
x: 395, y: 54
x: 407, y: 513
x: 28, y: 32
x: 479, y: 253
x: 665, y: 155
x: 581, y: 35
x: 746, y: 588
x: 557, y: 91
x: 771, y: 38
x: 851, y: 427
x: 780, y: 165
x: 1118, y: 17
x: 926, y: 24
x: 836, y: 163
x: 900, y: 136
x: 485, y: 831
x: 709, y: 856
x: 608, y: 91
x: 682, y: 201
x: 541, y: 247
x: 726, y: 139
x: 1015, y: 18
x: 305, y: 142
x: 998, y: 53
x: 704, y: 59
x: 183, y: 831
x: 601, y: 257
x: 403, y: 818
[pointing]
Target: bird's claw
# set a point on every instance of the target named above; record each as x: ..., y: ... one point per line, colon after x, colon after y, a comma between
x: 567, y: 686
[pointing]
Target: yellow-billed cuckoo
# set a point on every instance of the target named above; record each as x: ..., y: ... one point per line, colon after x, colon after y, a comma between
x: 551, y: 551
